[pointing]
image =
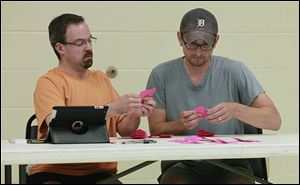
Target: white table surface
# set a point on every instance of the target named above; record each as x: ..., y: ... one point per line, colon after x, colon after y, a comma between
x: 269, y: 145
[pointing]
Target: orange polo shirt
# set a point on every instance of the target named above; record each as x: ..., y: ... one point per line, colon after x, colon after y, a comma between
x: 57, y: 88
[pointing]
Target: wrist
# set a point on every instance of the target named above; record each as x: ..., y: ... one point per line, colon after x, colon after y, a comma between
x: 112, y: 110
x: 235, y: 109
x: 181, y: 128
x: 133, y: 117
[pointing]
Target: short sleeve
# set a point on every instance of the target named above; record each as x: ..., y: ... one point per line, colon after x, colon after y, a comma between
x: 248, y: 86
x: 159, y: 96
x: 46, y: 95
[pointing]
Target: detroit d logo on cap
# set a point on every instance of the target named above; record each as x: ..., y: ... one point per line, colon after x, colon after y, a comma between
x: 200, y: 22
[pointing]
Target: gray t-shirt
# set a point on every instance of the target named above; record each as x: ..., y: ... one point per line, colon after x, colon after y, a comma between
x: 225, y: 81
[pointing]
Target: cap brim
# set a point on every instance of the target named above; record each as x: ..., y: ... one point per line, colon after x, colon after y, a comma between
x: 195, y: 35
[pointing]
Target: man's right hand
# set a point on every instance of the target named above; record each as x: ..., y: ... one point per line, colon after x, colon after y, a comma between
x: 189, y: 119
x: 125, y: 104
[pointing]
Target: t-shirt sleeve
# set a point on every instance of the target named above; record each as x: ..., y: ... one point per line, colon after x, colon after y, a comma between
x: 248, y: 86
x: 46, y: 95
x: 154, y: 80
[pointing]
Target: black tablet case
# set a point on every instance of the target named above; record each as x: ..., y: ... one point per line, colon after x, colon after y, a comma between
x: 78, y: 124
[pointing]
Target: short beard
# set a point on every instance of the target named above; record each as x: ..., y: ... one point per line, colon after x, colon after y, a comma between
x: 87, y: 63
x: 87, y: 60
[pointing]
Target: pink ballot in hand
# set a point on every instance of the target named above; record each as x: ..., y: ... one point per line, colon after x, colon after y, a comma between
x: 201, y: 110
x: 148, y: 92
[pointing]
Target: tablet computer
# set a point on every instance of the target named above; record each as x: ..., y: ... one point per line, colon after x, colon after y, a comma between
x: 78, y: 124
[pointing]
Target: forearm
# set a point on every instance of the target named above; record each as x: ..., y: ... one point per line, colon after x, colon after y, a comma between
x: 261, y: 117
x: 128, y: 125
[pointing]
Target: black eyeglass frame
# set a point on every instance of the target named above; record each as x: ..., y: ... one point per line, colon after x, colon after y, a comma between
x: 200, y: 45
x: 81, y: 42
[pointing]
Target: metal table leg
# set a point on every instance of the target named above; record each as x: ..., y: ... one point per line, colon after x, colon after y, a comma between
x: 22, y: 174
x: 126, y: 172
x: 7, y: 178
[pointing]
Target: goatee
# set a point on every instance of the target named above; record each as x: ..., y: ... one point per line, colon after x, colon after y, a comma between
x: 87, y: 63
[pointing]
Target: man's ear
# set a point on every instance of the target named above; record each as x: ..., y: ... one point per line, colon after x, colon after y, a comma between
x: 59, y: 48
x: 216, y: 40
x: 180, y: 39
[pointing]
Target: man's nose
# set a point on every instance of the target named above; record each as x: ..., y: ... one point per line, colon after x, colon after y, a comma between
x: 89, y: 46
x: 198, y: 51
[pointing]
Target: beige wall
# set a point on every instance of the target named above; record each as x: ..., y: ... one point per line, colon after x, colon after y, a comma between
x: 135, y: 37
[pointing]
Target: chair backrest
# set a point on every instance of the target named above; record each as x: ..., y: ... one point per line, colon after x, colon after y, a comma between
x: 30, y: 133
x: 31, y: 128
x: 258, y: 164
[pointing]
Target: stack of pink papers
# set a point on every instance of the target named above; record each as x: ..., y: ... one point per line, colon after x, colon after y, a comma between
x: 201, y: 140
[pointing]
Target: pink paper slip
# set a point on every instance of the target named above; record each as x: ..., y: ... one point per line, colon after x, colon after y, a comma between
x: 201, y: 110
x: 147, y: 93
x: 161, y: 136
x: 245, y: 140
x: 165, y: 135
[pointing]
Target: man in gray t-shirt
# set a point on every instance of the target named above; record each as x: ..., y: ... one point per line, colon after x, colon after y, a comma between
x: 227, y: 88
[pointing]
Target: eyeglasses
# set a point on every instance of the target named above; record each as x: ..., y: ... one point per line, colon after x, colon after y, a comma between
x: 203, y: 47
x: 194, y: 45
x: 82, y: 42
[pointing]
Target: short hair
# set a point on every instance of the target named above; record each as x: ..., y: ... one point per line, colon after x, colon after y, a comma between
x: 58, y: 27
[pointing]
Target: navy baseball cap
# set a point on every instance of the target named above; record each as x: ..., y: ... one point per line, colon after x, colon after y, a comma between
x: 199, y: 24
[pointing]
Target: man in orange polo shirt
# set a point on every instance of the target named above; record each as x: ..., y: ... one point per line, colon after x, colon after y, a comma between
x: 73, y: 84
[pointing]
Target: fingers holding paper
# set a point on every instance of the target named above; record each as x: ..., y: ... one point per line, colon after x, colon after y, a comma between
x: 190, y: 119
x: 148, y: 105
x: 220, y: 113
x: 134, y: 105
x: 145, y: 108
